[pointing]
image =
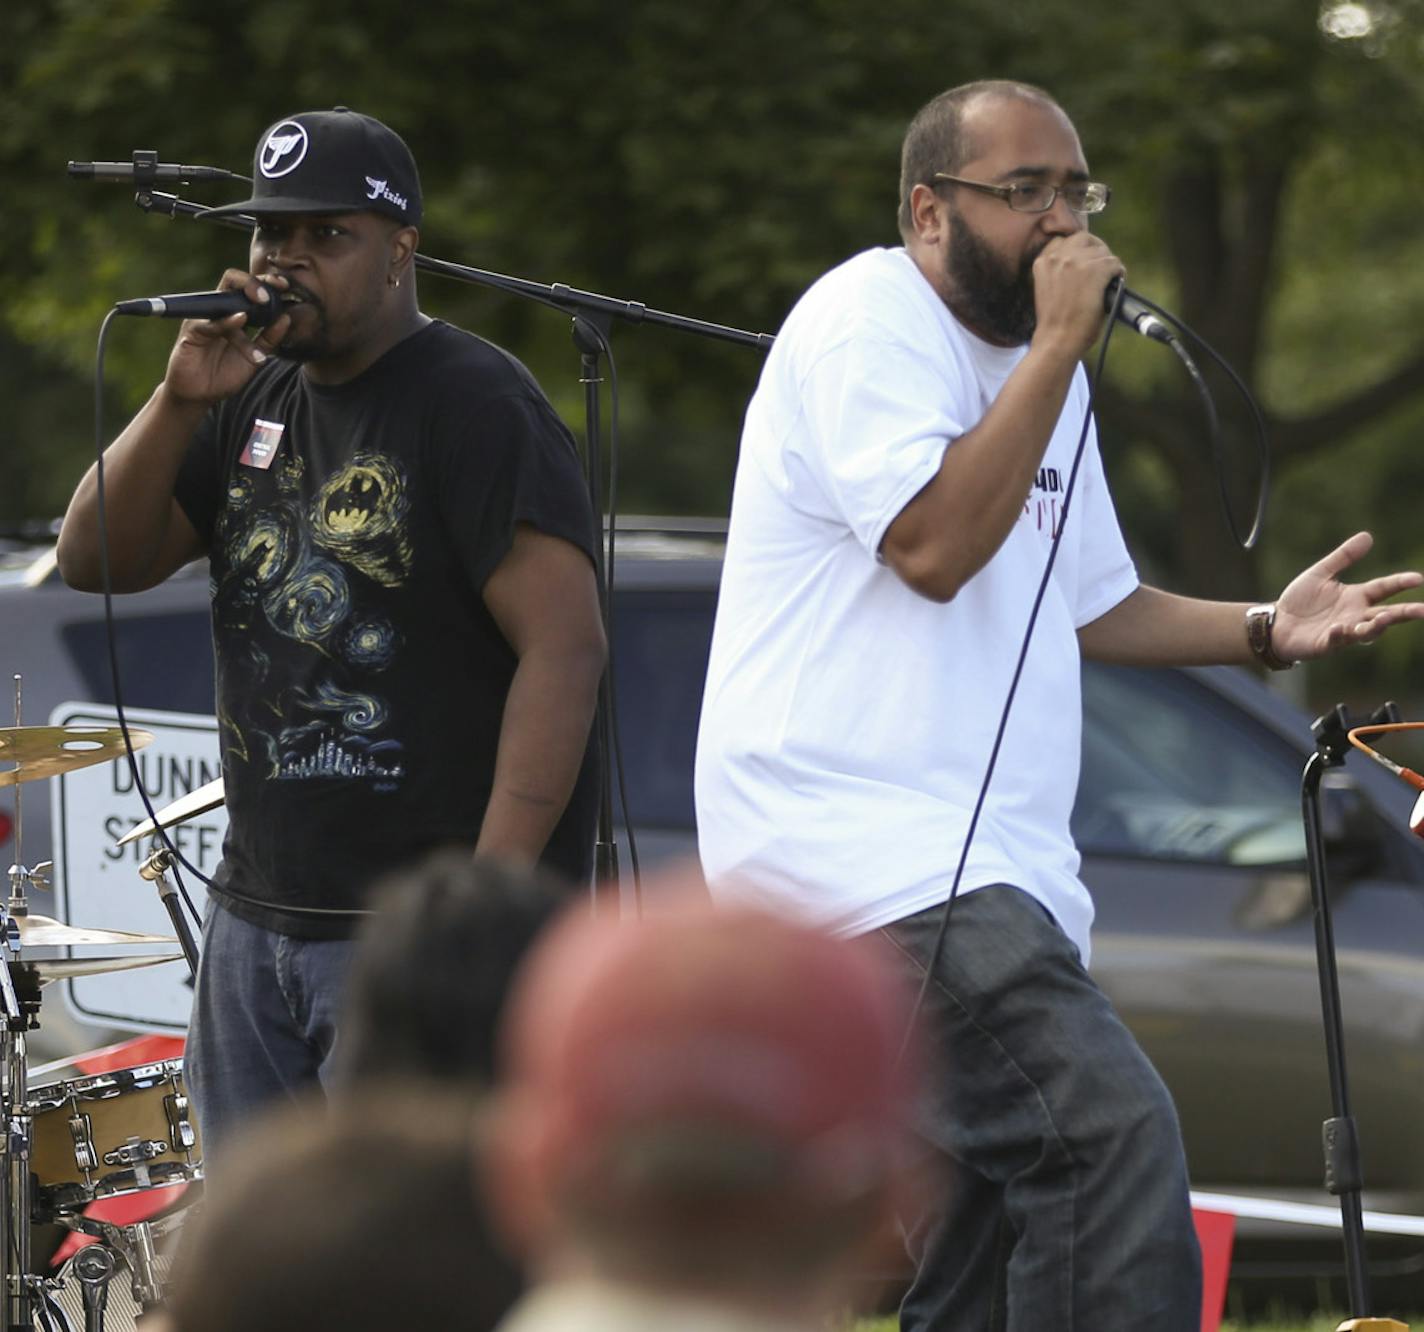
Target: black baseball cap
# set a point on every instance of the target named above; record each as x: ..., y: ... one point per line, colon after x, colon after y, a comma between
x: 336, y: 161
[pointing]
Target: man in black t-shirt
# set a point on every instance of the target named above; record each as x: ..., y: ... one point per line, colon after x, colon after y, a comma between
x: 405, y: 614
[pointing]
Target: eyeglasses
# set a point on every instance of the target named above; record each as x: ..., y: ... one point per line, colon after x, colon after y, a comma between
x: 1082, y: 196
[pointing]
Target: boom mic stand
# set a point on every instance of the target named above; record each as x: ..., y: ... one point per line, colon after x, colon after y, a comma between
x: 1343, y: 1176
x: 593, y: 316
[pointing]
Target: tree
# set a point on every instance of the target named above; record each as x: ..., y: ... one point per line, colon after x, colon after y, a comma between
x: 713, y: 159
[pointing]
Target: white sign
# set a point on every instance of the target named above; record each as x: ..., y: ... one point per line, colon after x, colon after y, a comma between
x: 97, y: 882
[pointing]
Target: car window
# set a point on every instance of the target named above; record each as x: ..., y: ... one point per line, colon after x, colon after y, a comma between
x: 1171, y: 772
x: 660, y: 644
x: 661, y: 641
x: 165, y: 660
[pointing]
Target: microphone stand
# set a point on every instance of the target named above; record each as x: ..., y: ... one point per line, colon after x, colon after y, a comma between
x: 593, y: 317
x: 590, y: 334
x: 1340, y: 1137
x: 556, y: 294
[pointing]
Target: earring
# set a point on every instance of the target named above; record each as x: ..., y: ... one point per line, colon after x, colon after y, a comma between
x: 392, y: 280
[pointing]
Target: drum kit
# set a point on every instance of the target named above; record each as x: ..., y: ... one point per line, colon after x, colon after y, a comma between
x: 72, y: 1144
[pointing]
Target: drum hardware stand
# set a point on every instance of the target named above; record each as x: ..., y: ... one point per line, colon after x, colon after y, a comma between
x: 136, y: 1245
x: 18, y: 1010
x: 94, y: 1266
x: 26, y: 1299
x: 19, y: 875
x: 20, y: 1005
x: 17, y: 870
x: 1343, y: 1176
x: 155, y: 870
x: 143, y: 1265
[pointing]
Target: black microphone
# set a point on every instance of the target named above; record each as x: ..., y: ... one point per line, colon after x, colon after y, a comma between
x: 206, y: 305
x: 1135, y: 313
x: 144, y: 170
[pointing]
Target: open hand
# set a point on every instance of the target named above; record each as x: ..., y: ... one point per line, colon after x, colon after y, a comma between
x: 1318, y: 613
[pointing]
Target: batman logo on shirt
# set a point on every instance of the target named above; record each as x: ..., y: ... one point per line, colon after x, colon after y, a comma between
x: 360, y: 516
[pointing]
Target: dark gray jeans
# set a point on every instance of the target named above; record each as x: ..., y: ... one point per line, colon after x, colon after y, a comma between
x: 1066, y: 1207
x: 265, y: 1008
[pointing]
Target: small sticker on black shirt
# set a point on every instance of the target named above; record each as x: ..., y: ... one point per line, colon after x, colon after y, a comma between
x: 262, y: 444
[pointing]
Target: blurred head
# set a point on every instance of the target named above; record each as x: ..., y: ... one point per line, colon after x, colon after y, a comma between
x: 699, y: 1099
x: 976, y: 250
x: 363, y: 1219
x: 433, y: 965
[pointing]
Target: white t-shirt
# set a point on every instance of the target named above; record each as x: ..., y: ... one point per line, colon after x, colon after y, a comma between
x: 848, y: 721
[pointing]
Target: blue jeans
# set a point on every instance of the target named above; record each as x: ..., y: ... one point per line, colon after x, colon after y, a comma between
x: 264, y: 1022
x: 1066, y: 1207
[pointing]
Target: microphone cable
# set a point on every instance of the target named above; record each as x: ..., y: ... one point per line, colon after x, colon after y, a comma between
x: 106, y: 586
x: 1263, y: 449
x: 1079, y: 449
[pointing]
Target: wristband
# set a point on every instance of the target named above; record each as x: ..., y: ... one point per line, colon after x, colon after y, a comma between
x: 1260, y: 621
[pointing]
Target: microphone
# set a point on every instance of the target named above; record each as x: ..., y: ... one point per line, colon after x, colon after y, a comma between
x: 206, y: 305
x: 144, y: 170
x: 1135, y: 314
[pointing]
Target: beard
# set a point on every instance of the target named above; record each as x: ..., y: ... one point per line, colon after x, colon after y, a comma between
x: 992, y: 296
x: 302, y: 349
x: 311, y: 343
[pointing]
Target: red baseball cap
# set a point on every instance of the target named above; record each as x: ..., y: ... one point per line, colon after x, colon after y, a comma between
x: 701, y: 1054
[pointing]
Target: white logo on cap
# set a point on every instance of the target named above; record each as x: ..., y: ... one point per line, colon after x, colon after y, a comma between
x: 380, y: 190
x: 286, y: 141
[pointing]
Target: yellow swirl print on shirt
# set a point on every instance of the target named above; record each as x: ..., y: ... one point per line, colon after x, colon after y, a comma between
x: 312, y: 604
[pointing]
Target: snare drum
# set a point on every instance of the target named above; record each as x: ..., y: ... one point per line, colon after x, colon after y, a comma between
x: 111, y: 1134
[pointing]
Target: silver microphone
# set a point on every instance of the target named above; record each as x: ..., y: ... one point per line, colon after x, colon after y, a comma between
x: 143, y: 172
x: 1135, y: 314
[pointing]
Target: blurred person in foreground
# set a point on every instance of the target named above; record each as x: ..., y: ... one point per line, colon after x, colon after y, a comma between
x: 406, y: 623
x: 432, y: 970
x: 699, y: 1122
x: 900, y: 486
x: 358, y: 1219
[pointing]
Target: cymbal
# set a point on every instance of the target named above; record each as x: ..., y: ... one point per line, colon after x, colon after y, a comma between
x: 46, y: 751
x: 64, y: 968
x: 46, y: 932
x: 189, y: 806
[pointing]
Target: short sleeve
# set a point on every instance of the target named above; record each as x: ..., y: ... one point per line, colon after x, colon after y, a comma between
x: 198, y: 487
x: 1106, y: 571
x: 879, y: 416
x: 514, y: 462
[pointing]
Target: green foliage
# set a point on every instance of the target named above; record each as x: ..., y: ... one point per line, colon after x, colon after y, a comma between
x: 712, y: 159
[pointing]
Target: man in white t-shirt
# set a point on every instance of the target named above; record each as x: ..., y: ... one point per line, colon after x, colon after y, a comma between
x: 905, y: 467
